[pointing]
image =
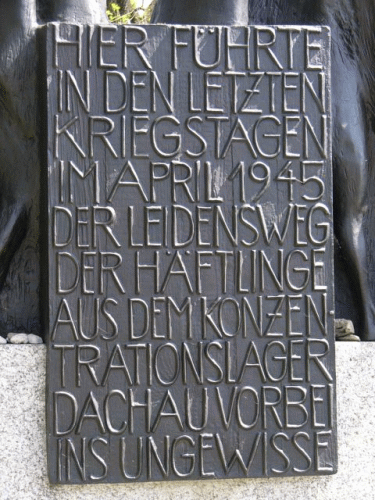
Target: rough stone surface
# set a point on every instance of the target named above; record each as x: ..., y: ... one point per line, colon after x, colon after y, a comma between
x: 23, y: 462
x: 350, y: 338
x: 343, y: 327
x: 18, y: 338
x: 34, y: 339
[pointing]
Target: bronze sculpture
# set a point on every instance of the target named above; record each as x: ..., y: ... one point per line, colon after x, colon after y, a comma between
x: 353, y: 105
x: 20, y: 131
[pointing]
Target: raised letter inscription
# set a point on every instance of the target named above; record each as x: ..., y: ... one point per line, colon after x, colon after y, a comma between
x: 189, y: 253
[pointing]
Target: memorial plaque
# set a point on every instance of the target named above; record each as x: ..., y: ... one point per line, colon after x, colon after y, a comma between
x: 189, y: 253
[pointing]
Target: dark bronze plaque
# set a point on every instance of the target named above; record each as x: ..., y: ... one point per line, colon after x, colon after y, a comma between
x: 190, y: 253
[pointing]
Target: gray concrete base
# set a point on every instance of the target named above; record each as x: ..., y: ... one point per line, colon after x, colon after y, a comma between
x: 23, y: 465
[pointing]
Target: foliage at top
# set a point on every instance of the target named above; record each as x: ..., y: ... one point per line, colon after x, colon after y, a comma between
x: 130, y: 11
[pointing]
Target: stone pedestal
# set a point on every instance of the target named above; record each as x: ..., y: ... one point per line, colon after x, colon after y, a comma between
x: 23, y: 462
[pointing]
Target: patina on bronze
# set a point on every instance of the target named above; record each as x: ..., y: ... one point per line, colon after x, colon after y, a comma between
x: 351, y: 22
x: 190, y: 253
x: 353, y: 84
x: 20, y: 134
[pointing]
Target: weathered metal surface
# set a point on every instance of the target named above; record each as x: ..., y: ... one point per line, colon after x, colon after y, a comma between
x: 190, y: 253
x: 353, y: 104
x: 20, y: 135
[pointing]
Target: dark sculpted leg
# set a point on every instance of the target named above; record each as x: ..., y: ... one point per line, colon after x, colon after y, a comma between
x: 350, y: 185
x: 19, y: 151
x: 351, y: 164
x: 229, y: 12
x: 73, y: 11
x: 19, y: 168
